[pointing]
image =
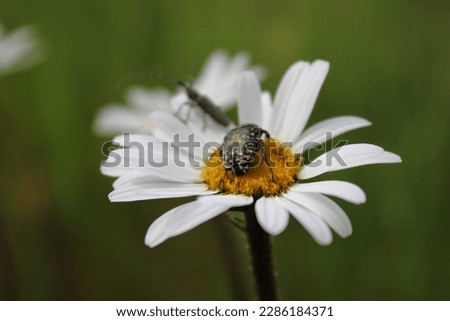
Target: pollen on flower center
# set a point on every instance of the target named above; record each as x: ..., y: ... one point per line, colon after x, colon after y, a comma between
x: 261, y: 179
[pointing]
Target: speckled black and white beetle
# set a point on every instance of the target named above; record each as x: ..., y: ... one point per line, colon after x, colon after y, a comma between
x: 240, y: 146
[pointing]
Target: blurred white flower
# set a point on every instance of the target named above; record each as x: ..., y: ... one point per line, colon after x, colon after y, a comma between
x: 275, y: 191
x: 19, y: 49
x: 217, y: 80
x: 132, y: 117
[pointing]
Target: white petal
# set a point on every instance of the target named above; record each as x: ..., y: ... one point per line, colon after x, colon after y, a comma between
x: 185, y: 217
x: 315, y: 226
x: 116, y: 119
x: 226, y: 90
x: 113, y: 171
x: 148, y: 100
x: 345, y: 190
x: 325, y: 208
x: 219, y: 83
x: 237, y: 65
x: 152, y: 190
x: 249, y: 99
x: 272, y: 217
x: 227, y: 84
x: 113, y: 120
x: 215, y: 66
x: 287, y: 84
x: 128, y: 140
x: 150, y: 155
x: 266, y: 112
x: 157, y: 159
x: 169, y: 128
x: 283, y: 94
x: 301, y: 101
x: 348, y: 156
x: 136, y: 177
x: 327, y: 129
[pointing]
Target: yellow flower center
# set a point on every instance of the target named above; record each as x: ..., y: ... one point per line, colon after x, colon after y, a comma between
x: 268, y: 177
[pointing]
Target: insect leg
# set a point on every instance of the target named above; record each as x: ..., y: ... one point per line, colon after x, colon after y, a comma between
x: 186, y: 103
x: 204, y: 122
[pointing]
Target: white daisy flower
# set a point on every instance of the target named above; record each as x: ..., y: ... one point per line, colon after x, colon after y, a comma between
x: 19, y: 49
x: 217, y: 80
x: 275, y: 191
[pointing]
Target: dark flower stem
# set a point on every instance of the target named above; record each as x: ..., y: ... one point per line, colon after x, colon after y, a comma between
x: 260, y: 245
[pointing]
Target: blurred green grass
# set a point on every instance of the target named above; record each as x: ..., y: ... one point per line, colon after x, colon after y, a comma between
x: 62, y: 239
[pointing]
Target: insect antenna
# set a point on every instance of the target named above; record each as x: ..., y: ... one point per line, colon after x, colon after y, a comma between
x: 146, y: 75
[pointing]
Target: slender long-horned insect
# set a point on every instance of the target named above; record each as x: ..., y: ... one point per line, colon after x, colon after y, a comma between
x: 205, y: 104
x: 195, y: 99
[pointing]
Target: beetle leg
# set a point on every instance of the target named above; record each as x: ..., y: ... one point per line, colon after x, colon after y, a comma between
x: 265, y: 132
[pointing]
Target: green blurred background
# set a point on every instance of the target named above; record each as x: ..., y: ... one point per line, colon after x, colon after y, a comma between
x: 60, y: 237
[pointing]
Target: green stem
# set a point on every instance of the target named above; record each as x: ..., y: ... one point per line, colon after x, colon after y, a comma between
x: 260, y: 245
x: 231, y: 258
